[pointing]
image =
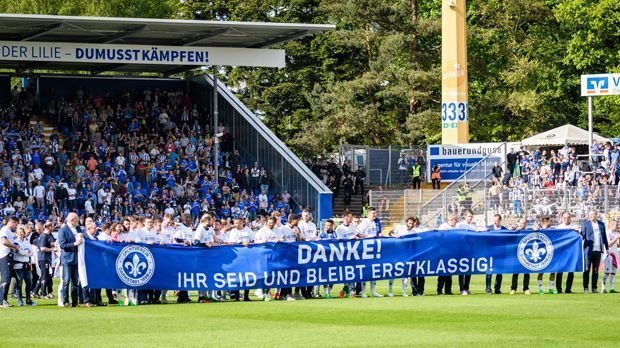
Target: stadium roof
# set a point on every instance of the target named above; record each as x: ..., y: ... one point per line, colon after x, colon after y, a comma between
x: 142, y: 31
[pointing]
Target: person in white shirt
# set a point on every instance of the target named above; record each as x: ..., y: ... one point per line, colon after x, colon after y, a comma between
x: 169, y: 209
x: 521, y: 225
x: 7, y: 246
x: 466, y: 224
x: 307, y: 227
x: 327, y: 234
x: 545, y: 223
x: 368, y: 229
x: 565, y: 225
x: 266, y: 234
x: 240, y: 234
x: 39, y: 195
x: 71, y: 196
x: 168, y: 230
x: 88, y: 207
x: 401, y: 231
x: 263, y: 201
x: 444, y: 283
x: 128, y: 234
x: 291, y: 233
x: 38, y: 173
x: 347, y: 229
x: 308, y: 233
x: 205, y: 236
x: 184, y: 235
x: 21, y: 266
x: 148, y: 234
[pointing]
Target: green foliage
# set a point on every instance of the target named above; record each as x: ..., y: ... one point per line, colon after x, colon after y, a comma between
x: 376, y: 79
x: 102, y: 8
x: 593, y: 46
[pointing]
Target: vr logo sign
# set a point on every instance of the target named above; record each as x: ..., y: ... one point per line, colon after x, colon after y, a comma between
x: 600, y: 84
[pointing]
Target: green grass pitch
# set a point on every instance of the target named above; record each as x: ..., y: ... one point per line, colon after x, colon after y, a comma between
x: 478, y: 320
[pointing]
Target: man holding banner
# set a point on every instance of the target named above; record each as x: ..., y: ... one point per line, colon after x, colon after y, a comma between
x: 368, y: 228
x: 521, y: 225
x: 264, y: 235
x: 468, y: 225
x: 566, y: 224
x: 545, y: 223
x: 444, y: 283
x: 243, y: 236
x: 497, y: 226
x: 291, y: 233
x: 346, y: 231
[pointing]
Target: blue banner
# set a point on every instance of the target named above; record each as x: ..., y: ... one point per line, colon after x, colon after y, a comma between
x: 282, y: 265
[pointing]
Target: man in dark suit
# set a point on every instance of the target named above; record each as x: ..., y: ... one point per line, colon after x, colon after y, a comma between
x: 595, y: 244
x: 69, y: 238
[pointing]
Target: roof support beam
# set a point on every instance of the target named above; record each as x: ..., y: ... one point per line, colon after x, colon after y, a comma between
x: 123, y: 34
x: 105, y: 67
x: 196, y: 39
x: 178, y: 70
x: 41, y: 32
x: 293, y: 36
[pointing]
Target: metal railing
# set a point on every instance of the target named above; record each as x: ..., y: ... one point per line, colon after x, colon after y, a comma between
x: 529, y: 202
x: 381, y: 164
x: 256, y: 142
x: 435, y: 210
x: 395, y: 206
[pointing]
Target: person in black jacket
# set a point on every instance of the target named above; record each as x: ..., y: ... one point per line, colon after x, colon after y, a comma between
x: 347, y: 185
x: 61, y: 194
x: 360, y: 176
x: 45, y: 244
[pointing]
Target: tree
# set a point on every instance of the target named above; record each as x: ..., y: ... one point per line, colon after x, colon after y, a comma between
x: 103, y: 8
x: 593, y: 43
x: 518, y: 82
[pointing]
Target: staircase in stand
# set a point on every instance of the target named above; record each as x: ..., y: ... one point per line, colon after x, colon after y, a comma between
x: 355, y: 207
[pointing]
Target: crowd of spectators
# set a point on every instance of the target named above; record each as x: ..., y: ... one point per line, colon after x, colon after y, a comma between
x: 140, y: 153
x: 342, y: 179
x: 552, y: 181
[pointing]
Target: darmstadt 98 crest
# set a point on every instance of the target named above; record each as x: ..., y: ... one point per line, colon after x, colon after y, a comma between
x: 135, y: 265
x: 535, y: 251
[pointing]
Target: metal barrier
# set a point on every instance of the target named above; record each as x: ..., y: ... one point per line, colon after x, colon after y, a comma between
x: 381, y: 164
x: 256, y: 142
x: 468, y: 185
x: 395, y: 206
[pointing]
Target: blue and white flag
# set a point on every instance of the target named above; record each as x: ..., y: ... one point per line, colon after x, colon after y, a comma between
x: 281, y: 265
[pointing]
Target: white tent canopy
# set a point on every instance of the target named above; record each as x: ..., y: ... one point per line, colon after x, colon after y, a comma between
x: 564, y: 135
